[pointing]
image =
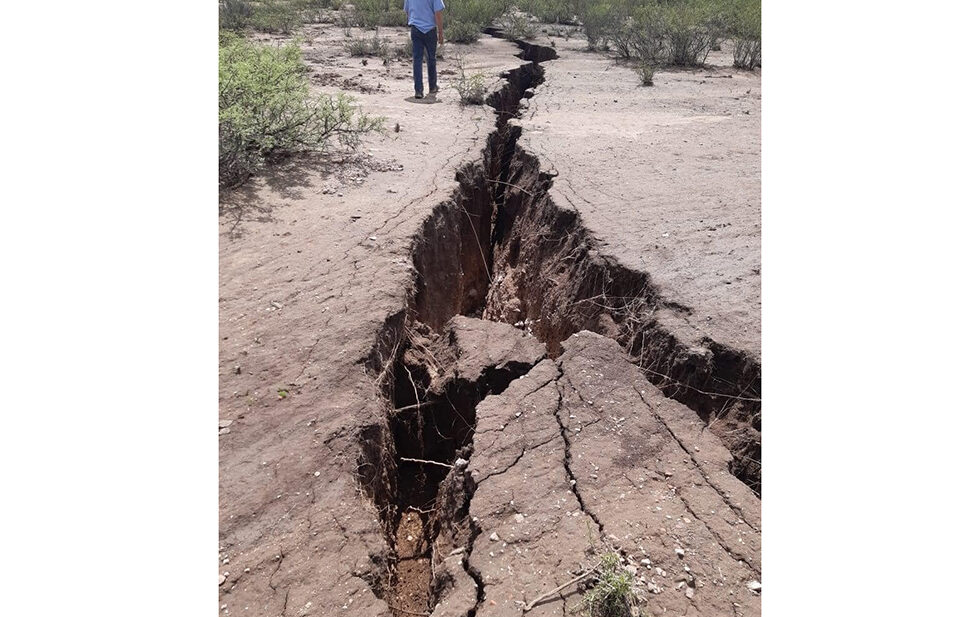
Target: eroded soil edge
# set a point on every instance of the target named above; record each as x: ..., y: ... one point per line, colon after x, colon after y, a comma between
x: 501, y: 250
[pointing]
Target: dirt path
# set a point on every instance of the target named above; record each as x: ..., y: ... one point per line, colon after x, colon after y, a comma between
x: 342, y: 356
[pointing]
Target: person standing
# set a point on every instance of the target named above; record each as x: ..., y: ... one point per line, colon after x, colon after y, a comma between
x: 425, y: 19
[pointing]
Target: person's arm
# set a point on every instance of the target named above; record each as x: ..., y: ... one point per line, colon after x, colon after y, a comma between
x: 439, y: 25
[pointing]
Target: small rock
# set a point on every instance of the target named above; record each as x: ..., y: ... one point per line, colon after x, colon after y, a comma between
x: 494, y: 537
x: 277, y: 305
x: 221, y: 579
x: 316, y: 474
x: 646, y: 562
x: 631, y: 569
x: 689, y: 592
x: 754, y: 586
x: 224, y: 431
x: 519, y: 518
x: 461, y: 462
x: 238, y: 370
x: 373, y: 238
x: 225, y: 561
x: 224, y: 423
x: 679, y: 551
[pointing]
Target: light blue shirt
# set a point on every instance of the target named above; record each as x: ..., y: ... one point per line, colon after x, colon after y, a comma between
x: 422, y: 13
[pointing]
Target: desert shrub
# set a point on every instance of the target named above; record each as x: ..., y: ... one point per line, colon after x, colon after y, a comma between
x: 277, y: 16
x: 692, y: 27
x: 405, y: 49
x: 622, y: 38
x: 364, y: 47
x: 747, y: 31
x: 466, y: 19
x: 318, y: 11
x: 265, y: 109
x: 550, y: 11
x: 374, y: 13
x: 517, y: 27
x: 649, y: 40
x: 462, y: 32
x: 611, y: 593
x: 472, y: 89
x: 598, y: 21
x: 234, y: 14
x: 645, y: 70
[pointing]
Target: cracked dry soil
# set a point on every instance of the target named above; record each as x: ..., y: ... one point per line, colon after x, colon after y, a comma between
x: 529, y: 408
x: 502, y: 252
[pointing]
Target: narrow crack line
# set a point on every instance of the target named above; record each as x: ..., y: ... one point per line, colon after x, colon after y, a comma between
x: 736, y: 556
x: 284, y: 603
x: 524, y: 450
x: 572, y: 481
x: 281, y: 557
x: 697, y: 464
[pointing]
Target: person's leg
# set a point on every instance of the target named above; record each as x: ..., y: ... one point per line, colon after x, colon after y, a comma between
x: 431, y: 40
x: 418, y: 46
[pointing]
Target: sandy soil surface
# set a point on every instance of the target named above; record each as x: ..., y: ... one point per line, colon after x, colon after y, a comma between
x: 359, y: 310
x: 668, y: 177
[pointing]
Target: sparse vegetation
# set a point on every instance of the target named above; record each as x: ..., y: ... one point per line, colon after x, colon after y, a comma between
x: 466, y: 19
x: 747, y: 30
x: 374, y: 13
x: 645, y: 70
x: 550, y: 11
x: 234, y: 14
x: 661, y: 32
x: 691, y: 27
x: 472, y: 89
x: 277, y: 16
x: 365, y: 47
x: 517, y: 26
x: 265, y: 109
x: 611, y: 593
x: 598, y: 21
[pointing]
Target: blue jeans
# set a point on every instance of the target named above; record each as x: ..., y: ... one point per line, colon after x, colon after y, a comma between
x: 424, y: 41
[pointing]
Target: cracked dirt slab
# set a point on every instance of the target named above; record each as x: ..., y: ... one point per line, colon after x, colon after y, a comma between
x: 583, y: 452
x: 668, y: 177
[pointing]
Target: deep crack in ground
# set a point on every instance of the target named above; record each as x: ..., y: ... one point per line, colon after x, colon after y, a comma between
x: 501, y: 250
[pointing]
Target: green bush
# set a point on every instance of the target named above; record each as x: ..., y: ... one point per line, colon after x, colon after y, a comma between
x: 278, y: 16
x: 598, y: 21
x: 692, y: 27
x: 462, y: 32
x: 363, y: 47
x: 472, y: 89
x: 645, y: 70
x: 747, y: 32
x: 466, y: 19
x: 374, y: 13
x: 611, y: 593
x: 234, y: 14
x: 649, y: 41
x: 265, y: 109
x: 517, y: 27
x: 550, y: 11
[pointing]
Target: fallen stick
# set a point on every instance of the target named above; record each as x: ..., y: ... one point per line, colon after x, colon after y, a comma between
x: 419, y: 460
x: 527, y: 607
x: 415, y: 406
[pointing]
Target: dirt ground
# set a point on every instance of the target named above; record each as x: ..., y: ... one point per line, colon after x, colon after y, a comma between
x: 446, y: 298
